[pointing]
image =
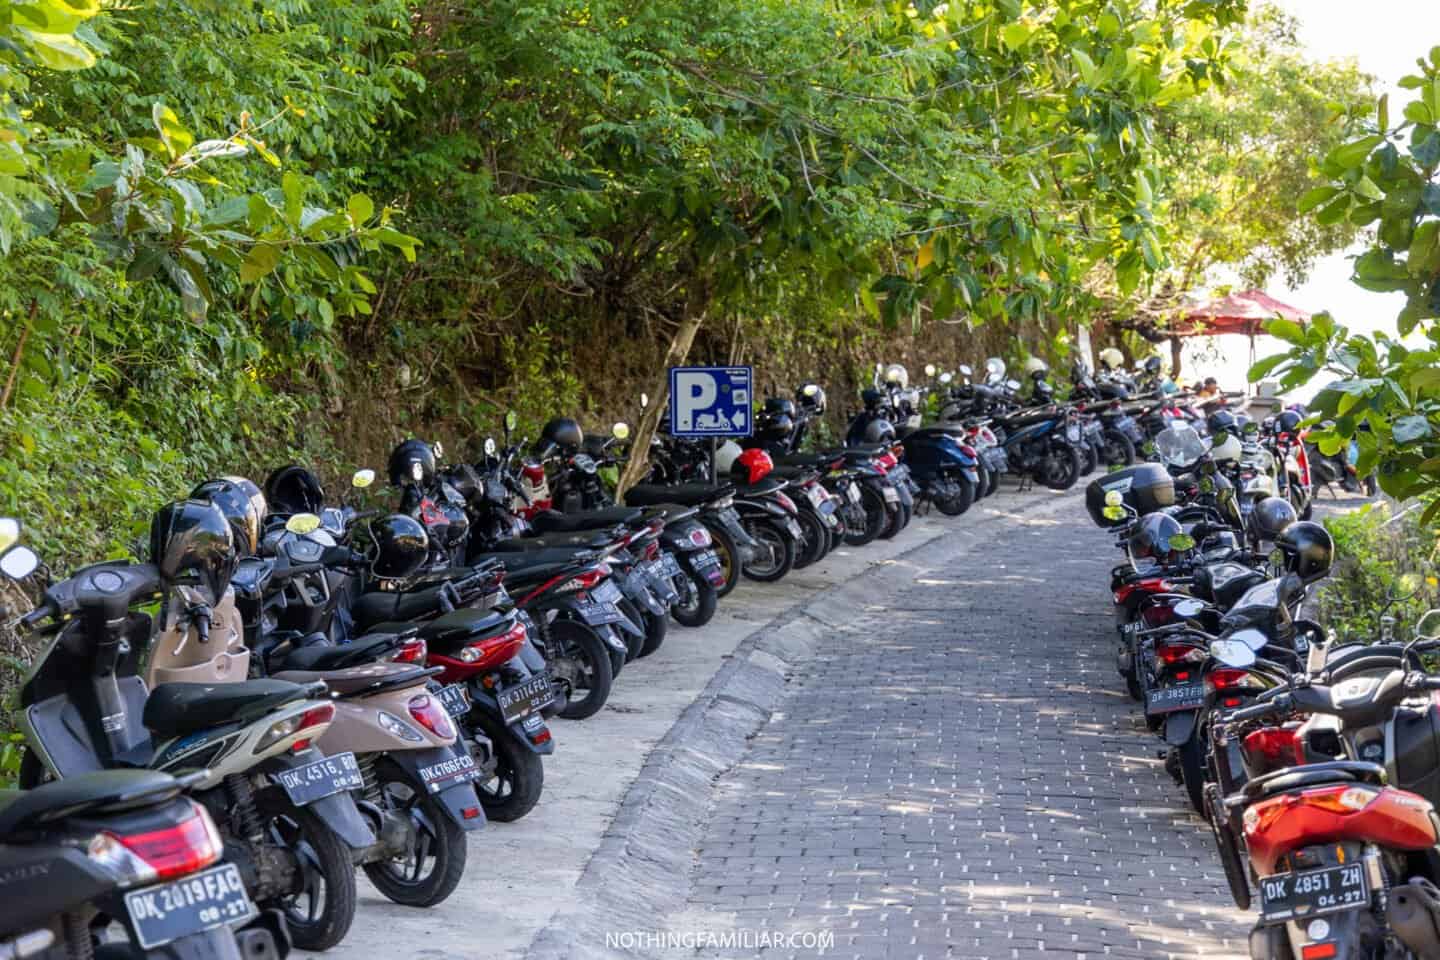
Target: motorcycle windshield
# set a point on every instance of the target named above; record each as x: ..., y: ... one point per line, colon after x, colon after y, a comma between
x: 1179, y: 445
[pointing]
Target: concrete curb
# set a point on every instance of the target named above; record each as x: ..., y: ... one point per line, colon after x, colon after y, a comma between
x: 640, y: 874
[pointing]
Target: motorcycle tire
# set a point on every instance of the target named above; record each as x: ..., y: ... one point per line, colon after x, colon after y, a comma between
x: 958, y: 504
x: 1061, y: 467
x: 656, y: 626
x: 438, y: 839
x: 982, y: 489
x: 1118, y: 450
x: 586, y: 691
x: 875, y: 518
x: 1192, y: 769
x: 729, y: 553
x: 813, y: 540
x: 994, y: 482
x: 633, y: 645
x: 1089, y: 458
x: 330, y: 858
x: 894, y: 520
x: 779, y: 546
x: 1227, y: 846
x: 697, y: 603
x: 519, y: 774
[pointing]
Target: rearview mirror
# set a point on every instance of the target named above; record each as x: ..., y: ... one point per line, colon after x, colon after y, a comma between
x: 437, y: 449
x: 929, y: 369
x: 19, y: 562
x: 1189, y: 608
x: 1253, y: 639
x: 1232, y: 653
x: 9, y: 533
x: 490, y: 447
x: 362, y: 479
x: 1013, y: 384
x: 620, y: 431
x: 303, y: 523
x: 965, y: 370
x: 644, y: 401
x: 1428, y: 626
x: 946, y: 378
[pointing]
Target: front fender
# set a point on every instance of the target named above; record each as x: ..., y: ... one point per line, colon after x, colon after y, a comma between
x: 447, y: 775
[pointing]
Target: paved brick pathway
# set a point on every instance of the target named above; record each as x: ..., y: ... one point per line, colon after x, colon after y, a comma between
x: 963, y: 776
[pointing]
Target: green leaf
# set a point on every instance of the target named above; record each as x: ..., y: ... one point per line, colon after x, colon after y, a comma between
x: 1085, y: 65
x: 1335, y: 211
x: 58, y: 51
x: 1409, y: 429
x: 1382, y: 113
x: 173, y: 134
x: 361, y: 208
x: 293, y: 189
x: 1366, y: 188
x: 1353, y: 153
x: 1262, y: 367
x: 1287, y: 330
x: 1313, y: 198
x: 262, y: 259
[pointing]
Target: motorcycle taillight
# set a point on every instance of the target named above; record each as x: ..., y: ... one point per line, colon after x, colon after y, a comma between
x: 428, y: 712
x: 188, y: 846
x: 786, y: 502
x: 412, y: 650
x: 1275, y: 747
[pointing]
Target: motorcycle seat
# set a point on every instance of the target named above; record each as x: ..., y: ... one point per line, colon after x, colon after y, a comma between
x: 24, y: 810
x: 384, y: 606
x: 811, y: 461
x: 766, y: 486
x: 863, y: 450
x: 553, y: 521
x: 685, y: 494
x: 795, y: 473
x: 363, y: 679
x: 459, y: 627
x: 178, y: 708
x: 338, y: 656
x: 1311, y: 775
x: 568, y: 542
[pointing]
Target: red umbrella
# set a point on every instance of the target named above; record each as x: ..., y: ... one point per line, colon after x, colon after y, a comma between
x: 1243, y: 313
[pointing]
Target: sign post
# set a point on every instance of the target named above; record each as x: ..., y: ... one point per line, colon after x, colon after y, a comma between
x: 711, y: 402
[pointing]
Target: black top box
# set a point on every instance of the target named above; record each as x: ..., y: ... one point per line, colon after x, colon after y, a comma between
x: 1144, y: 488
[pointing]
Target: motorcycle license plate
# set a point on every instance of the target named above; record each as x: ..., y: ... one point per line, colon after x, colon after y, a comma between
x: 669, y: 566
x: 599, y: 614
x: 1288, y: 896
x: 607, y: 592
x: 891, y: 495
x: 1181, y: 696
x: 853, y: 491
x: 1072, y: 433
x: 188, y: 906
x: 455, y: 699
x: 460, y: 768
x: 524, y: 698
x: 792, y: 527
x: 817, y: 496
x: 705, y: 559
x: 660, y: 582
x: 326, y: 776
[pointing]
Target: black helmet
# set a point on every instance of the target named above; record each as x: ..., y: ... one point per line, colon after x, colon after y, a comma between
x: 775, y: 426
x: 564, y: 433
x: 292, y: 489
x: 243, y: 505
x: 879, y: 430
x: 1043, y: 390
x: 191, y: 543
x: 780, y: 406
x: 1306, y: 549
x: 412, y: 462
x: 811, y: 395
x: 1288, y: 422
x: 871, y: 397
x: 1271, y: 516
x: 1151, y: 537
x: 1222, y: 421
x: 401, y: 546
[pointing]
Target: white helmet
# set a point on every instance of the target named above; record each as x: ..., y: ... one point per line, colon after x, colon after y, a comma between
x: 1227, y: 450
x: 725, y: 456
x: 1035, y: 365
x: 896, y: 375
x: 994, y: 370
x: 1112, y: 359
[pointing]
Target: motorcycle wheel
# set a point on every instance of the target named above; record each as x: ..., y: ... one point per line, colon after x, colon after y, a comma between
x: 777, y: 549
x: 439, y: 845
x: 955, y: 505
x: 580, y: 666
x: 633, y: 645
x: 697, y: 603
x: 1089, y: 458
x: 894, y: 520
x: 875, y: 518
x: 1061, y: 467
x: 1226, y: 845
x: 729, y: 553
x: 812, y: 539
x: 519, y: 774
x: 319, y: 914
x: 982, y: 489
x: 1192, y: 769
x: 1118, y: 450
x: 994, y: 482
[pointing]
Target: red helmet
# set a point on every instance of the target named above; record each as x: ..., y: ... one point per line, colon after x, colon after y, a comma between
x: 752, y: 466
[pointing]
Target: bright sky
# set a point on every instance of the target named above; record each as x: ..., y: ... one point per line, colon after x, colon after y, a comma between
x: 1385, y: 37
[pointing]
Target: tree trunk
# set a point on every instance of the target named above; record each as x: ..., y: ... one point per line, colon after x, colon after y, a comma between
x: 639, y: 464
x: 1175, y: 348
x: 19, y: 354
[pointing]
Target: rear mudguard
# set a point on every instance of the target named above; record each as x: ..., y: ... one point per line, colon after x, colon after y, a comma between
x: 1179, y: 726
x: 456, y: 797
x: 337, y: 810
x: 482, y: 700
x: 636, y: 587
x: 564, y: 606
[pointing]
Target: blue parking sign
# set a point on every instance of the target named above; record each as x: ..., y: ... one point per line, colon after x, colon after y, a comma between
x: 710, y: 401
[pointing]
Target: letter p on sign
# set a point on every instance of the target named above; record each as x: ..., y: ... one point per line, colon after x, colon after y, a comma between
x: 694, y: 391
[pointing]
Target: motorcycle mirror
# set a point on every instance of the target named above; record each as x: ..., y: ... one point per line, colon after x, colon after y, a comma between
x: 620, y: 431
x: 644, y: 401
x: 1428, y: 626
x: 1013, y: 384
x: 946, y: 378
x: 362, y: 479
x: 929, y: 369
x: 1189, y: 608
x: 303, y: 523
x: 490, y: 447
x: 1232, y: 653
x: 965, y: 370
x: 437, y: 449
x: 9, y: 533
x: 19, y: 562
x: 1253, y: 639
x: 995, y: 367
x: 510, y: 421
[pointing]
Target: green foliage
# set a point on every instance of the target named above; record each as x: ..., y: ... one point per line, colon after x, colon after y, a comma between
x: 1385, y: 566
